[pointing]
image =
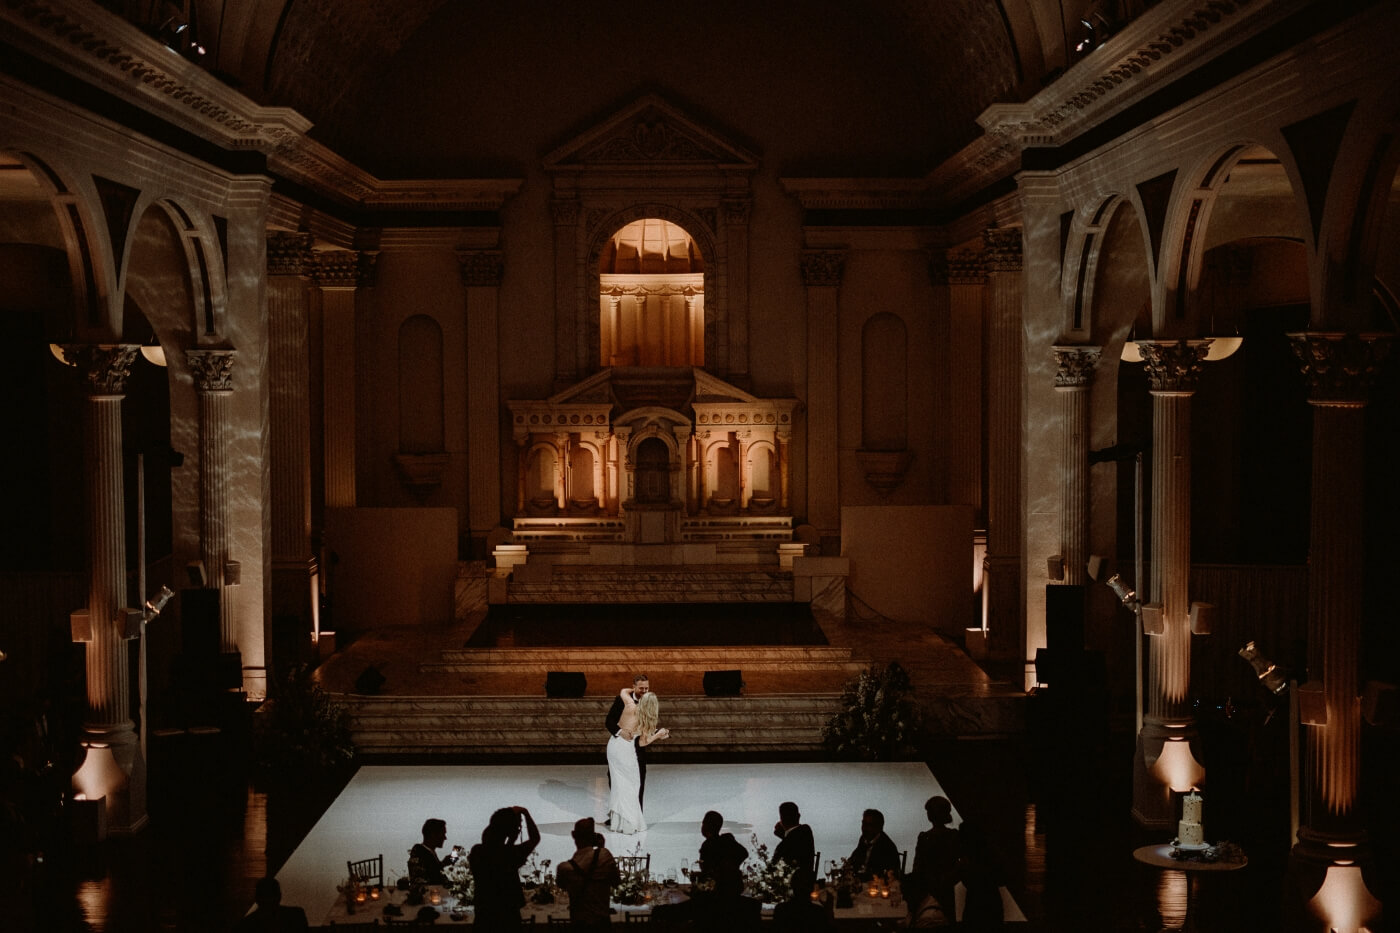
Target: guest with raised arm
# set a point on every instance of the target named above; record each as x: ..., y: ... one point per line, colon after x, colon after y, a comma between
x: 495, y: 864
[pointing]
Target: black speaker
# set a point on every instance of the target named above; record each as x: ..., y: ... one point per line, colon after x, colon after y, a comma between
x: 369, y: 681
x: 199, y: 624
x: 565, y: 684
x: 723, y: 683
x: 1064, y: 618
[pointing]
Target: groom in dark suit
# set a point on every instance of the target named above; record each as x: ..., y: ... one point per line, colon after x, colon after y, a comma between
x: 640, y: 686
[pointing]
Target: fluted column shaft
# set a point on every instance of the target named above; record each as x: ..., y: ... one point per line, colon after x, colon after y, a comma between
x: 213, y: 382
x: 482, y: 271
x: 567, y: 339
x: 289, y: 378
x: 822, y: 271
x: 339, y: 273
x: 966, y: 278
x: 1074, y: 376
x: 1005, y: 380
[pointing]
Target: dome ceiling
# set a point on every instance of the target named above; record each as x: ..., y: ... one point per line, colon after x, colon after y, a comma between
x: 431, y: 88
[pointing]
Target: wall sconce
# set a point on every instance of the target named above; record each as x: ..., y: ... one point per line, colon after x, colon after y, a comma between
x: 1267, y: 671
x: 1221, y: 347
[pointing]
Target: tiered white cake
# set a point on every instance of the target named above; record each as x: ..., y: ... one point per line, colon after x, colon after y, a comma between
x: 1188, y: 829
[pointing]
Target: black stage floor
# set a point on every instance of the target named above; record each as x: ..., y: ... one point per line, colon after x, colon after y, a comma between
x: 647, y: 624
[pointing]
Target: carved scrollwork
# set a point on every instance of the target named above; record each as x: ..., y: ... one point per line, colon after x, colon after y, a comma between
x: 1074, y: 365
x: 481, y: 267
x: 344, y: 268
x: 958, y: 267
x: 212, y: 369
x: 1173, y: 365
x: 288, y: 253
x: 1340, y: 367
x: 1003, y: 249
x: 105, y: 368
x: 823, y: 267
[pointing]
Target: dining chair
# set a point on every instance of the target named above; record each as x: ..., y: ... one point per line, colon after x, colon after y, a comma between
x: 635, y: 863
x: 816, y: 864
x: 904, y: 862
x: 368, y: 871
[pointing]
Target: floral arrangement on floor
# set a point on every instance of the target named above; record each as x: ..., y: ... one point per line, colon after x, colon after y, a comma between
x: 632, y: 888
x: 766, y: 878
x: 460, y: 883
x: 538, y: 880
x: 878, y: 719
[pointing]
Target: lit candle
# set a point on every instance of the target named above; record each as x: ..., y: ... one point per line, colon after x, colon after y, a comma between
x: 360, y: 896
x: 435, y: 897
x: 374, y: 894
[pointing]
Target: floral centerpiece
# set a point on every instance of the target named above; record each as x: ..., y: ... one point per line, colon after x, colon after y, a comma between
x: 460, y: 883
x: 631, y: 889
x: 766, y: 878
x: 537, y: 879
x: 843, y: 878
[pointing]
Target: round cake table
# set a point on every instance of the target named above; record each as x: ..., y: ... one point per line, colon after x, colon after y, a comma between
x: 1161, y: 856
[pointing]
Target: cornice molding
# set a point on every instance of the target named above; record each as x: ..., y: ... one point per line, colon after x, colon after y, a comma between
x: 858, y: 194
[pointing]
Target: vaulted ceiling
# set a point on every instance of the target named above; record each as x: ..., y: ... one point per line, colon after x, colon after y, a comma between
x: 476, y: 87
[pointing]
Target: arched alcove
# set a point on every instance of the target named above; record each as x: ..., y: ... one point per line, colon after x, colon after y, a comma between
x: 651, y: 302
x: 653, y: 472
x: 884, y: 374
x: 420, y: 381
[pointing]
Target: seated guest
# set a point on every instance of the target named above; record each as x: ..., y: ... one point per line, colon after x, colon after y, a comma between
x: 588, y: 877
x: 800, y: 912
x: 270, y: 916
x: 978, y: 871
x: 495, y: 863
x: 935, y: 859
x: 797, y: 847
x: 875, y: 853
x: 721, y: 854
x: 424, y: 866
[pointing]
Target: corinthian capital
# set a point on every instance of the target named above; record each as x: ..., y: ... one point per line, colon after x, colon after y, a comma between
x: 1340, y: 367
x: 736, y: 210
x: 288, y: 253
x: 344, y: 268
x: 823, y: 267
x: 1074, y: 365
x: 958, y: 267
x: 1003, y: 249
x: 212, y: 369
x: 104, y: 366
x: 481, y: 267
x: 1173, y: 365
x: 565, y: 211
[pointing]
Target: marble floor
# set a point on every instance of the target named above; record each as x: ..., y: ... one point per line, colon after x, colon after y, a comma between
x: 382, y: 808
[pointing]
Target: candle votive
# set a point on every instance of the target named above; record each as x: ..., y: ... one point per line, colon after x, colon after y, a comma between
x: 360, y: 896
x: 374, y: 894
x: 435, y: 897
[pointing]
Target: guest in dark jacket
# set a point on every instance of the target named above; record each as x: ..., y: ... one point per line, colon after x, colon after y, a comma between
x: 495, y: 863
x: 875, y: 853
x: 800, y: 913
x: 270, y: 916
x: 936, y: 858
x: 424, y: 866
x: 721, y: 854
x: 588, y: 877
x: 797, y: 847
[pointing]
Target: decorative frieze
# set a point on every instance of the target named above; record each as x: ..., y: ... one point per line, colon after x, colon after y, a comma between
x: 1340, y: 367
x: 1074, y: 365
x: 288, y: 253
x: 105, y: 368
x: 958, y: 267
x: 822, y: 267
x: 1003, y: 249
x: 344, y: 268
x: 212, y: 369
x: 481, y: 268
x: 1173, y: 365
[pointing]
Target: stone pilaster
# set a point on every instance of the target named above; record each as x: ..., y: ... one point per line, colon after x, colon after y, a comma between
x: 339, y: 273
x: 1339, y: 369
x: 1074, y: 378
x: 736, y: 234
x: 294, y: 568
x: 565, y: 212
x: 1005, y: 383
x: 482, y: 271
x: 964, y: 273
x: 1173, y: 370
x: 112, y: 765
x: 821, y: 274
x: 213, y: 384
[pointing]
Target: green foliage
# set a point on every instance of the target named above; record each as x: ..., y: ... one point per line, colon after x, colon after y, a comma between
x: 303, y: 728
x: 878, y: 719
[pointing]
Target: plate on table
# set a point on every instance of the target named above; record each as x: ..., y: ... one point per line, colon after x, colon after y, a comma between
x: 1193, y: 847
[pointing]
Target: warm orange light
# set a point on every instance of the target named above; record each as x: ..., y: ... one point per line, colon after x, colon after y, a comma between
x: 1177, y: 767
x: 99, y: 775
x: 1343, y: 903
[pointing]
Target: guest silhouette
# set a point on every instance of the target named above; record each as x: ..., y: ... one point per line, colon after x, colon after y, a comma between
x: 800, y: 913
x: 495, y: 864
x: 270, y: 916
x: 875, y: 853
x: 424, y: 866
x: 588, y: 877
x: 797, y: 847
x: 935, y: 869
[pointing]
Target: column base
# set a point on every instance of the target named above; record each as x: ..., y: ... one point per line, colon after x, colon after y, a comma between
x: 1163, y: 764
x: 112, y: 768
x: 1329, y: 884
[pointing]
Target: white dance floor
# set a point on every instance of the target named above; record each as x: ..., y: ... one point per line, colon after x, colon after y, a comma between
x: 383, y: 807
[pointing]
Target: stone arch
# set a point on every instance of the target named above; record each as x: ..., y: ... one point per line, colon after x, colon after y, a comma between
x: 602, y: 227
x: 1108, y: 275
x: 540, y: 481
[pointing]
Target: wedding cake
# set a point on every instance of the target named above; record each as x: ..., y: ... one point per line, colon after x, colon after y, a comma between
x: 1188, y: 828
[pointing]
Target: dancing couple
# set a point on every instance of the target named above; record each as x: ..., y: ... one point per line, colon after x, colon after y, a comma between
x: 632, y: 721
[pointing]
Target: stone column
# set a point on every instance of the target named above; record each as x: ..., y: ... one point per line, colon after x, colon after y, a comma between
x: 339, y: 273
x: 736, y: 234
x: 821, y: 273
x: 482, y: 271
x: 213, y: 383
x: 1074, y: 377
x: 566, y: 330
x: 965, y: 274
x: 1005, y: 384
x: 1164, y: 761
x: 1333, y: 839
x: 295, y: 581
x: 112, y: 766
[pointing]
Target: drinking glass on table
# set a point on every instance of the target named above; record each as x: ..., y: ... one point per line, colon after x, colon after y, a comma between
x: 685, y: 868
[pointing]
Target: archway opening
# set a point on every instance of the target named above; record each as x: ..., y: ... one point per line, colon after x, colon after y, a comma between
x: 651, y: 300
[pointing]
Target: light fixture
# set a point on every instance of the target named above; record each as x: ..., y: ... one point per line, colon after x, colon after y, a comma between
x: 1267, y: 671
x: 57, y: 351
x: 157, y: 602
x: 1087, y: 43
x: 153, y: 351
x: 1125, y: 593
x: 1132, y: 353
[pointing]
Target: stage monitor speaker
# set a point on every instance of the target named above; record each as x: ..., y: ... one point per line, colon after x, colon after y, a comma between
x: 1064, y: 618
x: 565, y: 684
x: 723, y: 683
x: 199, y: 624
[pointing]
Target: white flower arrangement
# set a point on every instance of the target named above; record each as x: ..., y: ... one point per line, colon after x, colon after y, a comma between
x: 768, y: 879
x: 460, y: 883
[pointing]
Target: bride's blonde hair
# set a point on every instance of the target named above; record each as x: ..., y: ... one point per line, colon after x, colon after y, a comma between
x: 648, y: 714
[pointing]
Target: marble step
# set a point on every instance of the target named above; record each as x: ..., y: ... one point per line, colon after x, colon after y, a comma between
x: 591, y: 660
x: 591, y: 584
x: 527, y: 725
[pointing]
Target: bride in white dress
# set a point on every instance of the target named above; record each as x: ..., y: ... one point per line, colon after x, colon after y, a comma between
x: 639, y: 721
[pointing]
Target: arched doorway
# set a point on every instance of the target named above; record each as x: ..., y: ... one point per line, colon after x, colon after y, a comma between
x: 653, y: 472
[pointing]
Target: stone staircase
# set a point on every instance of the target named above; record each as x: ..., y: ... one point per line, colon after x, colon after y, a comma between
x: 595, y: 661
x: 574, y: 583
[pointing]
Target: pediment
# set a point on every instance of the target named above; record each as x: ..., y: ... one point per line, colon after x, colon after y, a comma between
x: 591, y: 391
x: 711, y: 388
x: 653, y: 132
